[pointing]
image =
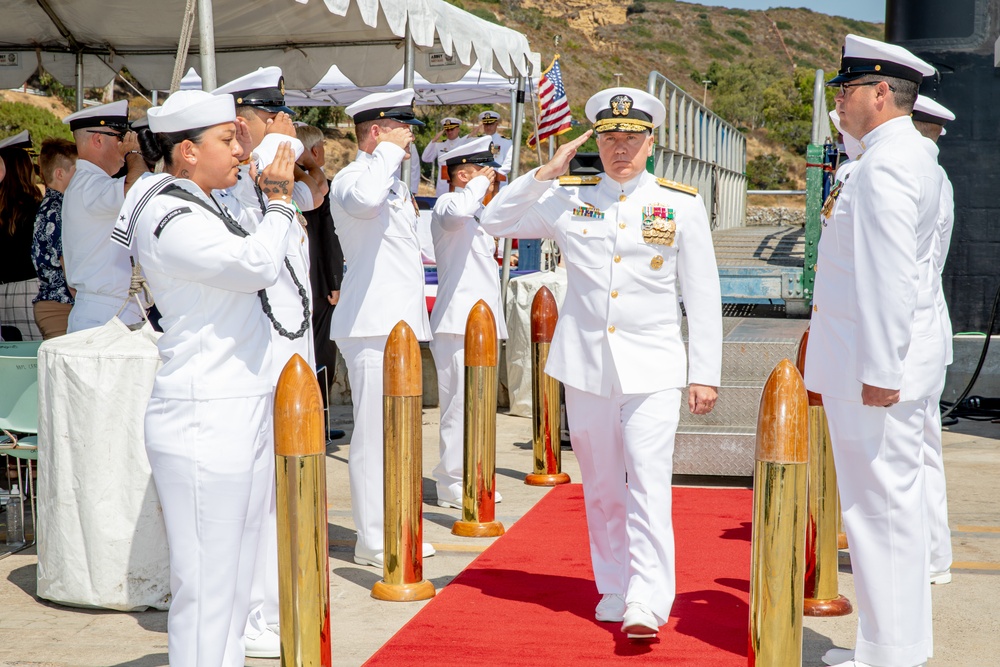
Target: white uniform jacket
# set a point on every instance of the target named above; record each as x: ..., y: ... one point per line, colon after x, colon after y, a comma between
x: 206, y: 280
x: 94, y: 265
x: 874, y: 317
x: 505, y: 155
x: 946, y: 222
x: 376, y: 223
x: 432, y: 152
x: 467, y: 271
x: 621, y: 317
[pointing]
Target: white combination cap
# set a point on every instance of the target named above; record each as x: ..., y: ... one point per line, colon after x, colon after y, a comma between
x: 863, y: 56
x: 927, y: 110
x: 395, y: 105
x: 22, y: 140
x: 489, y: 117
x: 190, y: 110
x: 625, y: 110
x: 481, y: 151
x: 451, y: 122
x: 114, y: 116
x: 263, y: 88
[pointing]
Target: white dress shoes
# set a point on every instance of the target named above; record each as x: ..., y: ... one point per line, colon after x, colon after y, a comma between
x: 375, y: 558
x: 837, y: 656
x: 639, y: 622
x: 265, y: 645
x: 611, y: 608
x: 938, y: 578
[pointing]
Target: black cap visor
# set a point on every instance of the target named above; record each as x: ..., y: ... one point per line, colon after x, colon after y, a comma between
x: 484, y: 159
x: 855, y: 68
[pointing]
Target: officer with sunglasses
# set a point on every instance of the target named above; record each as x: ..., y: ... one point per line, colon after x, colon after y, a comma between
x: 99, y: 270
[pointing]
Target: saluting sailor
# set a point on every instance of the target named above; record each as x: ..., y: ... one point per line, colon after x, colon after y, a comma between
x: 489, y: 122
x: 929, y: 117
x: 450, y: 128
x: 631, y: 243
x: 876, y: 349
x: 376, y: 220
x: 97, y: 269
x: 208, y: 423
x: 467, y: 272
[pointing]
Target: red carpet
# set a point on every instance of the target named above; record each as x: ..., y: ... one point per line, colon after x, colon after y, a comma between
x: 529, y: 599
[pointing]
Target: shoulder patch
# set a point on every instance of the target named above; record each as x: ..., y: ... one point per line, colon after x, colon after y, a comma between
x: 168, y: 217
x: 674, y: 185
x: 579, y: 180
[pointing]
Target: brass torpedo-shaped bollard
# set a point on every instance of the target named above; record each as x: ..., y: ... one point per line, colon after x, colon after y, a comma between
x: 402, y: 390
x: 777, y: 566
x: 546, y: 422
x: 300, y: 476
x: 821, y: 593
x: 480, y: 431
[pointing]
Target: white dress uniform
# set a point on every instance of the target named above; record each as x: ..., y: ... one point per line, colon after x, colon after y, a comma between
x: 875, y: 321
x: 467, y: 273
x: 376, y: 223
x: 504, y: 145
x: 433, y: 151
x: 618, y: 350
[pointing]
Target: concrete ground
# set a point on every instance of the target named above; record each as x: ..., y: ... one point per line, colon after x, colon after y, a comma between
x: 967, y: 626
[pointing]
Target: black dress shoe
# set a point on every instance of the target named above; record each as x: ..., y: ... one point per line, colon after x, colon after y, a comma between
x: 335, y: 434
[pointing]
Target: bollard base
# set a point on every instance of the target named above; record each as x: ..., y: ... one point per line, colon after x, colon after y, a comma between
x: 475, y: 529
x: 422, y: 590
x: 838, y: 606
x: 535, y: 479
x: 841, y: 540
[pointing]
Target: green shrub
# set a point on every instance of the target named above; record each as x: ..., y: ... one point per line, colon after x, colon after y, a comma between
x: 740, y: 36
x: 485, y: 14
x: 673, y: 22
x: 15, y: 117
x: 784, y: 25
x: 640, y: 31
x: 767, y: 172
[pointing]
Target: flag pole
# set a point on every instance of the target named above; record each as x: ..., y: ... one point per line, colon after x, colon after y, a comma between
x: 534, y: 115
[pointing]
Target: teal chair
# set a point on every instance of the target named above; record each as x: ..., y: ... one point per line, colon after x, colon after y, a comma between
x: 19, y: 413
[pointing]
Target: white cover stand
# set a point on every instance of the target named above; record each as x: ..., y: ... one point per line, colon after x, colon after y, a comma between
x: 101, y: 538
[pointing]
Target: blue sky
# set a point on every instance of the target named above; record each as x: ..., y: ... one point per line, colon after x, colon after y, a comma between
x: 863, y: 10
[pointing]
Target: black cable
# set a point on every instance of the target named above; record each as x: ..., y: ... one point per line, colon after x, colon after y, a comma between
x: 974, y: 411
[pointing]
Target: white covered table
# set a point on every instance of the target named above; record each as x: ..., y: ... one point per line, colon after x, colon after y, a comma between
x: 101, y: 538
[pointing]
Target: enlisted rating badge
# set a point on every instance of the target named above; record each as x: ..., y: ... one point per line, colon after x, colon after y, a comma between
x: 658, y: 227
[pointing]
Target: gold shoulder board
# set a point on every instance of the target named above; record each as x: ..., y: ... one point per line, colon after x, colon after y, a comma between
x: 674, y: 185
x: 579, y: 180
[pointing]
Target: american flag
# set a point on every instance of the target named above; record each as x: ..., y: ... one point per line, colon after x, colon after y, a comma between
x: 555, y: 115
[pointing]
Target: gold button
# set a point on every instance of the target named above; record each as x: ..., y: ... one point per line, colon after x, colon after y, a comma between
x: 618, y: 258
x: 815, y: 308
x: 622, y: 225
x: 585, y: 231
x: 614, y: 294
x: 611, y: 329
x: 622, y: 197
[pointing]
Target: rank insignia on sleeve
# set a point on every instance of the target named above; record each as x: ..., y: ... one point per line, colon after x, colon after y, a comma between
x: 588, y: 211
x: 658, y: 226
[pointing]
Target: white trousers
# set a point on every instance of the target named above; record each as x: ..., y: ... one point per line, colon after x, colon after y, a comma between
x: 936, y: 489
x: 96, y: 310
x: 212, y: 467
x: 264, y: 584
x: 449, y: 359
x: 880, y: 471
x: 630, y: 525
x: 363, y: 358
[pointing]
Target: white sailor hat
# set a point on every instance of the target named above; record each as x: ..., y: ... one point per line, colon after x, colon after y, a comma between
x: 489, y: 117
x: 190, y: 110
x: 268, y: 148
x: 22, y: 140
x: 863, y: 56
x: 481, y: 152
x: 114, y: 116
x: 263, y: 89
x: 396, y: 105
x: 927, y: 110
x: 450, y: 123
x: 624, y: 110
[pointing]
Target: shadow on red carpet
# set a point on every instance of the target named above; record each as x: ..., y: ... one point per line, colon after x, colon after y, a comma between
x: 529, y: 599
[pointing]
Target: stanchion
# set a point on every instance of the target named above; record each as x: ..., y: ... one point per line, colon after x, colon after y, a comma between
x: 545, y: 418
x: 480, y: 441
x: 777, y: 567
x: 300, y: 476
x: 402, y: 389
x: 821, y: 593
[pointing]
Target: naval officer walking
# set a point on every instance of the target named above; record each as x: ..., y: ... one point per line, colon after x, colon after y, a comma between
x: 376, y: 220
x: 631, y: 243
x: 876, y: 349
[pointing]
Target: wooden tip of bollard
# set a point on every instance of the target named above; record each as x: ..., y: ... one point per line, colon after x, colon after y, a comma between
x: 401, y: 373
x: 783, y: 420
x: 298, y: 411
x: 544, y: 315
x: 481, y: 336
x: 838, y: 606
x: 800, y: 363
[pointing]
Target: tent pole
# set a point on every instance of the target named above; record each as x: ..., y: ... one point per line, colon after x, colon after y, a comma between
x: 79, y: 80
x: 516, y: 121
x: 407, y: 83
x: 206, y: 45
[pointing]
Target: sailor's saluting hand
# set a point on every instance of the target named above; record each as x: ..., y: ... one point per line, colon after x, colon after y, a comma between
x: 560, y: 161
x: 277, y: 179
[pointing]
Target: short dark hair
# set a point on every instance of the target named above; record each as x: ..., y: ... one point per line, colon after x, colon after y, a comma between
x: 904, y: 91
x: 55, y: 152
x: 364, y: 127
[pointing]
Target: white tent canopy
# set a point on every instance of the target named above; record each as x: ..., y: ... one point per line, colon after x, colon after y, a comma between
x: 363, y: 37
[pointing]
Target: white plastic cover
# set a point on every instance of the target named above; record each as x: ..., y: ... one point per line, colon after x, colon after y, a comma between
x: 101, y: 538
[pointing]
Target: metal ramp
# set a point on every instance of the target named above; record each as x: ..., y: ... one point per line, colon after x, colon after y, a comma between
x: 762, y: 264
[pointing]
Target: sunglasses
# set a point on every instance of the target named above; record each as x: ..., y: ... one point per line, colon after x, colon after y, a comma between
x: 117, y: 135
x: 845, y: 86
